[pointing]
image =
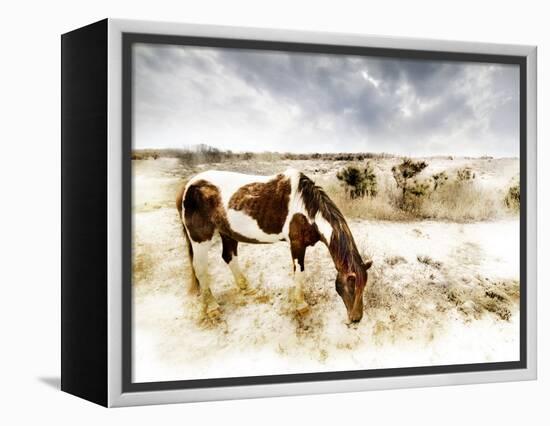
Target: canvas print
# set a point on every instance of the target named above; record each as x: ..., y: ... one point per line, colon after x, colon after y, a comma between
x: 300, y: 212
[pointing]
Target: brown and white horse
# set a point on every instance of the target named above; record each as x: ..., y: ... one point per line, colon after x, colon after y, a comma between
x: 266, y: 209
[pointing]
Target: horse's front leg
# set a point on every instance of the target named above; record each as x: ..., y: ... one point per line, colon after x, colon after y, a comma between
x: 298, y: 252
x: 200, y: 264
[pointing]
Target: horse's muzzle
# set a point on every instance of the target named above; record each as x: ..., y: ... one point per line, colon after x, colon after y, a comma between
x: 355, y: 317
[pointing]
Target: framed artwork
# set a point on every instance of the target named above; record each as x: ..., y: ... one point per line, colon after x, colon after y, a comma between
x: 252, y: 212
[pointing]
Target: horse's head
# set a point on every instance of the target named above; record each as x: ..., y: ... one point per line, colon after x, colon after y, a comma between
x: 350, y: 286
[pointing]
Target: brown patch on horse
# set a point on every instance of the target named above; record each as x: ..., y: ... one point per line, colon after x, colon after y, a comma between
x: 301, y: 234
x: 267, y: 203
x: 229, y: 248
x: 204, y: 213
x: 202, y: 204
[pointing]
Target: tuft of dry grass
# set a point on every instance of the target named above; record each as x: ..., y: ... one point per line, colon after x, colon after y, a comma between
x: 512, y: 199
x: 461, y: 201
x: 381, y: 207
x: 428, y: 261
x: 421, y: 303
x: 498, y: 298
x: 395, y: 260
x: 142, y: 266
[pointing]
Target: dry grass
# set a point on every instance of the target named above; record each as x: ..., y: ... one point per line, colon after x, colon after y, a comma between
x: 460, y: 198
x: 512, y: 199
x: 395, y: 260
x: 142, y: 266
x: 403, y: 310
x: 428, y: 261
x: 455, y: 201
x: 381, y: 207
x: 459, y: 201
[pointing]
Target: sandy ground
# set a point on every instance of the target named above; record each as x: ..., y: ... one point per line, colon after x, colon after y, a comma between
x: 438, y: 293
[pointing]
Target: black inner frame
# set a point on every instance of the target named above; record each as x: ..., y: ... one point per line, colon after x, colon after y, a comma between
x: 128, y: 39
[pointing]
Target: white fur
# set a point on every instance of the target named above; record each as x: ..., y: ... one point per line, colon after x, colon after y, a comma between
x: 295, y: 204
x: 324, y: 227
x: 299, y: 278
x: 200, y: 262
x: 200, y: 265
x: 245, y: 225
x: 235, y: 268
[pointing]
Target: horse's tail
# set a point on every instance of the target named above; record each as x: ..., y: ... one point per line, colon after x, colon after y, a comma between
x: 193, y: 282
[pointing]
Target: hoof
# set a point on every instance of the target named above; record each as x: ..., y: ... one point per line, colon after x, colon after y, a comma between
x: 242, y: 283
x: 214, y: 313
x: 249, y: 291
x: 302, y: 308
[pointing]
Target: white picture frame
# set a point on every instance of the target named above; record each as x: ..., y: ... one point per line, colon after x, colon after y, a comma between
x: 116, y: 393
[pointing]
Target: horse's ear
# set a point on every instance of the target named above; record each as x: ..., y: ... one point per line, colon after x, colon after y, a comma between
x: 367, y: 265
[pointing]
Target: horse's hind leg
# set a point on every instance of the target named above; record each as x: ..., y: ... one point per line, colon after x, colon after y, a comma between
x: 200, y: 264
x: 229, y: 255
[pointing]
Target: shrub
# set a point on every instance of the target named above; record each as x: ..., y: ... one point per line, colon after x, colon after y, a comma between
x: 359, y: 183
x: 370, y: 180
x: 411, y: 193
x: 465, y: 174
x: 439, y: 179
x: 512, y: 198
x: 419, y: 188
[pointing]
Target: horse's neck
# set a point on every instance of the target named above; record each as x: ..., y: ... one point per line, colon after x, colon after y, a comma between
x: 330, y: 223
x: 341, y: 245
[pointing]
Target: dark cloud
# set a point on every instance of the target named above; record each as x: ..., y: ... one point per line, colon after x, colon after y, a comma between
x: 246, y: 99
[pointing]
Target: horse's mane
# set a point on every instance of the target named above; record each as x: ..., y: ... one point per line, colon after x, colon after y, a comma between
x: 341, y: 245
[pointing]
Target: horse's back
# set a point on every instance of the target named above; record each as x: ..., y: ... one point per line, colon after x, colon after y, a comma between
x: 253, y: 206
x: 229, y: 183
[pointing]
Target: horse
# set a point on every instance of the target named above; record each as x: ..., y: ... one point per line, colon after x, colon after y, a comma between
x: 255, y: 209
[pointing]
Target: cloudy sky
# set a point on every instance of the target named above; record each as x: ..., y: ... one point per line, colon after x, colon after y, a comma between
x: 250, y: 100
